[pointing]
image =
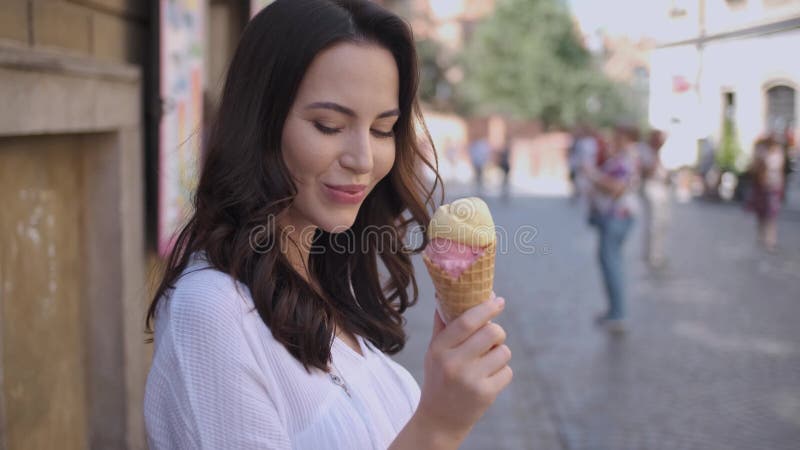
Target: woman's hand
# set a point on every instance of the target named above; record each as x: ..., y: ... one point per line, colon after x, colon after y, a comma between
x: 466, y: 367
x: 607, y: 184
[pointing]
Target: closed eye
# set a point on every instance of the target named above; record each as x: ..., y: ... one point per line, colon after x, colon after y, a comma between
x: 383, y: 134
x: 326, y: 130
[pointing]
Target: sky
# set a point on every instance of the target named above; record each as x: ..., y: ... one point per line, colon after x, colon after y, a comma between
x: 633, y: 18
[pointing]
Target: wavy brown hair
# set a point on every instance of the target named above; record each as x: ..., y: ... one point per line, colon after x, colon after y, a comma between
x: 245, y: 186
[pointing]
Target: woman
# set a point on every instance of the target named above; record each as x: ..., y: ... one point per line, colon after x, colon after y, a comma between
x: 613, y: 207
x: 273, y: 321
x: 655, y: 194
x: 767, y: 192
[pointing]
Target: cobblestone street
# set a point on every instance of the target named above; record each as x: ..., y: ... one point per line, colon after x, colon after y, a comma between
x: 711, y: 359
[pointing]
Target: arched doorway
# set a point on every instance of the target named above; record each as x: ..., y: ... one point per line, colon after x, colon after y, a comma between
x: 781, y: 112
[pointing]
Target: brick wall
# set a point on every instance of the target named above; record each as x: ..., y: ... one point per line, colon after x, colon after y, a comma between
x: 108, y: 30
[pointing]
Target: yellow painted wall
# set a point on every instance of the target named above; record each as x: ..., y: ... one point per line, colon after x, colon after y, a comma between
x: 41, y: 320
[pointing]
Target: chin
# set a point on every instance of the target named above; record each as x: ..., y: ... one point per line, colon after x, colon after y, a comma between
x: 338, y: 221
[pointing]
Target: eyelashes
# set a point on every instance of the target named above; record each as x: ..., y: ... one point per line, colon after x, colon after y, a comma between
x: 330, y: 131
x: 326, y: 130
x: 383, y: 134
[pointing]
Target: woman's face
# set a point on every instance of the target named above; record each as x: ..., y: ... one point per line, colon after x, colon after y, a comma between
x: 338, y: 140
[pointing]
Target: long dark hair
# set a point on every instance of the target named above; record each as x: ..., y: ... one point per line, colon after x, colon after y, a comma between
x: 245, y: 184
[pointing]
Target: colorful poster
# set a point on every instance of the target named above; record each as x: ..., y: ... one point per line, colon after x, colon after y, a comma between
x: 182, y: 53
x: 258, y: 5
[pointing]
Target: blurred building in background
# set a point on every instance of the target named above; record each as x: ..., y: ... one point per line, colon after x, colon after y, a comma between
x: 725, y: 70
x: 441, y: 30
x: 627, y: 61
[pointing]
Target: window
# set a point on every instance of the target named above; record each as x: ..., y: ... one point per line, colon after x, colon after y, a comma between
x: 729, y: 105
x: 736, y: 5
x: 678, y: 8
x: 781, y: 112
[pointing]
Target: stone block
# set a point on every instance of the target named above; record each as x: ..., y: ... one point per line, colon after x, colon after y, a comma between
x: 134, y: 8
x: 62, y: 25
x: 14, y: 20
x: 117, y: 39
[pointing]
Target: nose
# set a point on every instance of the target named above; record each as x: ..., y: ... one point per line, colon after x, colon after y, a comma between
x: 357, y: 157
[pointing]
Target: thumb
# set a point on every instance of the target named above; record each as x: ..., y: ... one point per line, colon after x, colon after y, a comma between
x: 438, y: 323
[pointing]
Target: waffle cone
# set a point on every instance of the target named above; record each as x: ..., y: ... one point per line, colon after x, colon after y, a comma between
x: 472, y: 287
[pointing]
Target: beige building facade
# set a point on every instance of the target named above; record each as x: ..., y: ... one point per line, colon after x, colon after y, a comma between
x: 72, y: 248
x: 721, y: 58
x: 78, y: 171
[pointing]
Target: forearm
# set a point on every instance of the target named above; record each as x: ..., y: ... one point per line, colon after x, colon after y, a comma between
x: 419, y: 434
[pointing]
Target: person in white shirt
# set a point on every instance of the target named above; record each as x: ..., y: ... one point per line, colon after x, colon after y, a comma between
x: 655, y: 196
x: 583, y: 152
x: 273, y: 319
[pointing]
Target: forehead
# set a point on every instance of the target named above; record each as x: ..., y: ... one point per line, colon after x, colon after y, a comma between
x: 361, y: 76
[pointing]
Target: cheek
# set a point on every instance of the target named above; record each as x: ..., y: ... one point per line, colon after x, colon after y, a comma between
x: 304, y: 154
x: 384, y: 160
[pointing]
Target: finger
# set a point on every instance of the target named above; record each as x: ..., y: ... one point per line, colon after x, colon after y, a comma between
x: 482, y: 341
x: 494, y: 361
x: 438, y: 323
x: 471, y: 321
x: 501, y: 379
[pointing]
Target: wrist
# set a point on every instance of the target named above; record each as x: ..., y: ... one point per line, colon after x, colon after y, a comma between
x: 429, y: 435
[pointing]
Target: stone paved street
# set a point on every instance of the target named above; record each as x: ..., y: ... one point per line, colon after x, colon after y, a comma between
x: 711, y: 361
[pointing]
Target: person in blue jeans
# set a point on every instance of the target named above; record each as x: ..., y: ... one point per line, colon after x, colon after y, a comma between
x: 613, y: 231
x: 612, y: 212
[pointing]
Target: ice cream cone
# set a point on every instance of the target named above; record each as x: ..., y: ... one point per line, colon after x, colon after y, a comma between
x: 473, y: 286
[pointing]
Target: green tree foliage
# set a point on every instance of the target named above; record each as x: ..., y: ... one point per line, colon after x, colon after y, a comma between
x: 729, y: 157
x: 434, y: 87
x: 527, y: 61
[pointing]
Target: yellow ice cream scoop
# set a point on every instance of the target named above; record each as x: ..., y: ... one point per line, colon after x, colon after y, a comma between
x: 466, y: 220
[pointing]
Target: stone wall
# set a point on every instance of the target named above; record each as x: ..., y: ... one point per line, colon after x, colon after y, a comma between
x: 72, y: 252
x: 107, y: 30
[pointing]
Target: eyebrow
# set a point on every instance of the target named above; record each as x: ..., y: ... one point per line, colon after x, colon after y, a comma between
x: 347, y: 111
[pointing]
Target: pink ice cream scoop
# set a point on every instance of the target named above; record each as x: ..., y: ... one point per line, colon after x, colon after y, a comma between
x: 452, y: 256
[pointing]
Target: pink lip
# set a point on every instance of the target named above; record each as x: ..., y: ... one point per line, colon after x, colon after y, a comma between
x: 346, y: 193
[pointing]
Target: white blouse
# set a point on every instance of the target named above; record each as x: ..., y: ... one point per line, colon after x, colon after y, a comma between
x: 219, y: 380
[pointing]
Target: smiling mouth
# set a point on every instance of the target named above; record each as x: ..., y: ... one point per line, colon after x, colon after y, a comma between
x: 349, y: 189
x: 346, y: 194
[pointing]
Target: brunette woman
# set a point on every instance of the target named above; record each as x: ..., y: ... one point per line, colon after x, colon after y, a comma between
x: 274, y: 320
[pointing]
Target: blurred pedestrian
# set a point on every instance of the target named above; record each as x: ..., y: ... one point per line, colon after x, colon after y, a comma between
x: 573, y: 164
x: 612, y: 212
x: 601, y: 139
x: 584, y: 150
x: 503, y: 155
x: 790, y: 151
x: 767, y: 171
x: 655, y: 194
x: 500, y: 142
x: 479, y: 153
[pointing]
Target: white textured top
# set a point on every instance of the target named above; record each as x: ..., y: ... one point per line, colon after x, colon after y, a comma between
x: 219, y: 380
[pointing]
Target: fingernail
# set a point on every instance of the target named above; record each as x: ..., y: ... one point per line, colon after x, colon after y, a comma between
x: 500, y: 301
